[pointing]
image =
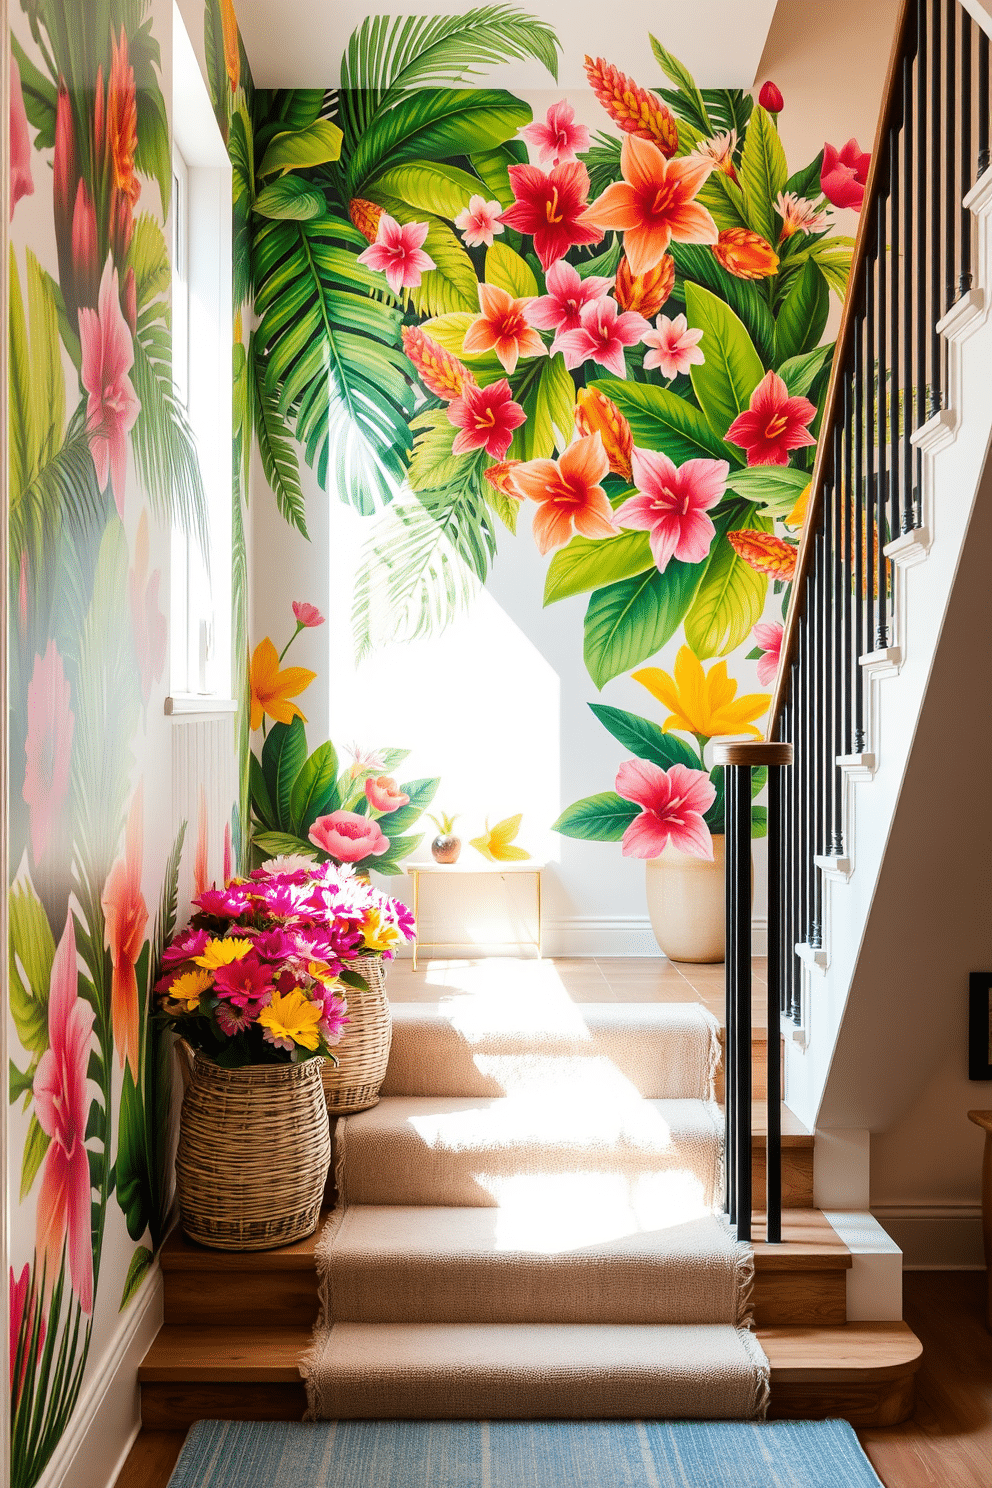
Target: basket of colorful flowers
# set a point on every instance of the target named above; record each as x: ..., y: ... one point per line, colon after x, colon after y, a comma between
x: 262, y: 987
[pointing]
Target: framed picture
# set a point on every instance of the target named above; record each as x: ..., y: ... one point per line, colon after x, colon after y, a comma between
x: 980, y: 1026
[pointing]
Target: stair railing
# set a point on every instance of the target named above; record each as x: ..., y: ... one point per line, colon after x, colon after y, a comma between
x: 912, y: 262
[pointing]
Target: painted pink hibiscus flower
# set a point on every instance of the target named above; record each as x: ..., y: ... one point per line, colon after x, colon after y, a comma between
x: 672, y: 805
x: 479, y: 222
x: 349, y: 837
x: 126, y: 915
x: 844, y: 175
x: 568, y: 294
x: 603, y: 333
x: 21, y: 180
x: 674, y: 348
x: 486, y: 418
x: 113, y: 405
x: 769, y: 637
x: 398, y: 253
x: 559, y: 139
x: 61, y: 1107
x: 48, y: 748
x: 672, y: 503
x: 774, y: 423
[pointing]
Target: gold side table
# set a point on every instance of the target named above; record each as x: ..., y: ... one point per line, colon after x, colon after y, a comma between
x: 469, y: 870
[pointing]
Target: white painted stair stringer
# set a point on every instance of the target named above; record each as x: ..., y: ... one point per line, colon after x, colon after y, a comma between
x: 954, y: 445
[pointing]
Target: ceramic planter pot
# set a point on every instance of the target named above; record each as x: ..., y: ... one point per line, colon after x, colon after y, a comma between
x: 686, y: 899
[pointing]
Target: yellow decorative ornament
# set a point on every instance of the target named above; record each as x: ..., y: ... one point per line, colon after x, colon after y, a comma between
x: 497, y: 842
x: 703, y: 703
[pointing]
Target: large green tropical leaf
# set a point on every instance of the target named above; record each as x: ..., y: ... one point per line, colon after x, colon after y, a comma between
x: 331, y: 357
x: 744, y: 297
x: 661, y: 420
x: 764, y: 172
x: 284, y: 755
x: 386, y: 57
x: 32, y: 952
x: 423, y: 564
x: 800, y: 372
x: 276, y: 446
x: 507, y: 270
x: 691, y: 104
x: 493, y: 167
x: 162, y: 442
x: 314, y: 790
x: 590, y: 563
x: 730, y: 599
x: 438, y: 124
x: 803, y: 314
x: 36, y: 379
x: 40, y: 97
x: 732, y: 369
x: 433, y: 465
x: 646, y: 739
x: 302, y: 149
x: 630, y: 621
x: 427, y: 186
x: 548, y: 399
x: 602, y: 818
x: 775, y: 488
x: 291, y: 196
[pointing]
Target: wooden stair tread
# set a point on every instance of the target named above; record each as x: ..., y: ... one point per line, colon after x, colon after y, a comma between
x: 809, y: 1243
x: 224, y: 1355
x: 179, y: 1253
x: 850, y: 1352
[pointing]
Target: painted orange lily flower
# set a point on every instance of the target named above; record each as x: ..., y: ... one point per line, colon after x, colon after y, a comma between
x: 125, y: 917
x: 654, y: 203
x: 502, y: 327
x: 568, y: 492
x: 271, y: 689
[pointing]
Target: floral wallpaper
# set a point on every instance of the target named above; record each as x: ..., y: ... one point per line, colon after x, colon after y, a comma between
x: 466, y: 312
x: 102, y: 467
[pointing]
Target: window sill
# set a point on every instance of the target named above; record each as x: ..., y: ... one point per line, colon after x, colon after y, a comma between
x: 189, y: 704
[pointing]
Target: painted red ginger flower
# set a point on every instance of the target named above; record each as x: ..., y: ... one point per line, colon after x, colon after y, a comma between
x: 569, y: 495
x: 765, y: 553
x: 672, y: 802
x: 126, y: 916
x: 774, y: 423
x: 631, y: 107
x: 485, y: 418
x: 595, y: 413
x: 645, y: 293
x: 439, y: 370
x: 551, y: 206
x: 502, y: 327
x: 21, y: 180
x: 745, y: 254
x: 654, y: 203
x: 365, y: 216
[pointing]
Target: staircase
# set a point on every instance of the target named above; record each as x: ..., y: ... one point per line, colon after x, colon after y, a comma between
x: 476, y: 1271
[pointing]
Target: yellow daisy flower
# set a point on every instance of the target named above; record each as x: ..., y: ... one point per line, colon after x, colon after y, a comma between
x: 377, y: 933
x: 291, y: 1020
x: 189, y: 988
x: 217, y: 953
x: 703, y: 703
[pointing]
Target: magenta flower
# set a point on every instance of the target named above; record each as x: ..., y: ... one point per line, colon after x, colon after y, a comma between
x: 844, y: 175
x: 307, y: 615
x: 771, y: 98
x: 604, y: 331
x: 21, y: 181
x: 187, y: 944
x: 674, y: 348
x: 559, y: 139
x: 48, y: 748
x: 486, y: 418
x: 61, y: 1108
x: 113, y: 405
x: 672, y: 503
x: 479, y: 222
x: 398, y: 253
x: 550, y: 205
x: 774, y: 423
x: 232, y: 1019
x: 349, y: 837
x: 568, y: 295
x: 223, y: 904
x: 242, y: 982
x: 769, y: 637
x: 673, y: 802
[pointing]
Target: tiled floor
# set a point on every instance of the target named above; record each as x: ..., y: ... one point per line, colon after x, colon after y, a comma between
x: 647, y: 979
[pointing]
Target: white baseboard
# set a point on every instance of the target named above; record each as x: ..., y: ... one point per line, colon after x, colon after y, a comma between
x: 107, y: 1418
x: 612, y: 936
x: 935, y: 1237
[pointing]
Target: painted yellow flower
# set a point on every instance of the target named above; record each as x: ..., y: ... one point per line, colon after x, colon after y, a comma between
x: 497, y: 842
x: 189, y: 988
x: 217, y: 953
x: 377, y: 933
x: 271, y: 689
x: 232, y: 46
x: 703, y: 703
x: 291, y: 1020
x: 797, y: 515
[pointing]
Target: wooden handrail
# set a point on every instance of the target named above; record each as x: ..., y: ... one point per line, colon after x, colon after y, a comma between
x: 824, y: 448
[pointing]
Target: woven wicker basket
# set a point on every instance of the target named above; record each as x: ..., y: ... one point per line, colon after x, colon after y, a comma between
x: 254, y: 1151
x: 363, y: 1053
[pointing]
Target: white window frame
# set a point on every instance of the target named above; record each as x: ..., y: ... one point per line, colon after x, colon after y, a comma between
x: 202, y: 337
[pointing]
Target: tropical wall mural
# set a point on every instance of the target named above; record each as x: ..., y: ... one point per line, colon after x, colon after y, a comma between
x: 102, y: 469
x: 465, y: 311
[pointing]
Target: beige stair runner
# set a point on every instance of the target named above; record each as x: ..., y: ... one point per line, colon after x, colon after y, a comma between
x: 527, y: 1224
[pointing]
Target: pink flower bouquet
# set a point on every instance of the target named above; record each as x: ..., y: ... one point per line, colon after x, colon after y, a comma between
x: 259, y: 976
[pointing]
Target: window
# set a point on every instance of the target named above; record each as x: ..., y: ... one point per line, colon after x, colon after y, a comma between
x: 200, y: 662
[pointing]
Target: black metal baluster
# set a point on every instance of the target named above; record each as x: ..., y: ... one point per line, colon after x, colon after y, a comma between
x: 922, y: 245
x: 881, y: 421
x: 818, y: 690
x: 965, y: 180
x: 837, y: 683
x: 984, y: 159
x: 773, y: 1146
x: 871, y: 479
x: 828, y: 699
x: 730, y: 1009
x: 936, y: 236
x: 858, y: 596
x: 906, y: 522
x: 804, y: 907
x: 892, y: 262
x: 741, y: 844
x: 950, y: 151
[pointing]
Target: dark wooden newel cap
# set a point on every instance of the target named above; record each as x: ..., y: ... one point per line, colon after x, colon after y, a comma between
x: 751, y: 752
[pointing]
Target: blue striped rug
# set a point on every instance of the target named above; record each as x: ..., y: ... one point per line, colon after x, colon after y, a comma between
x: 523, y: 1454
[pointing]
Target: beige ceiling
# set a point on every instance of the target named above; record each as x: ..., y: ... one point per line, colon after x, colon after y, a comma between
x: 299, y: 42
